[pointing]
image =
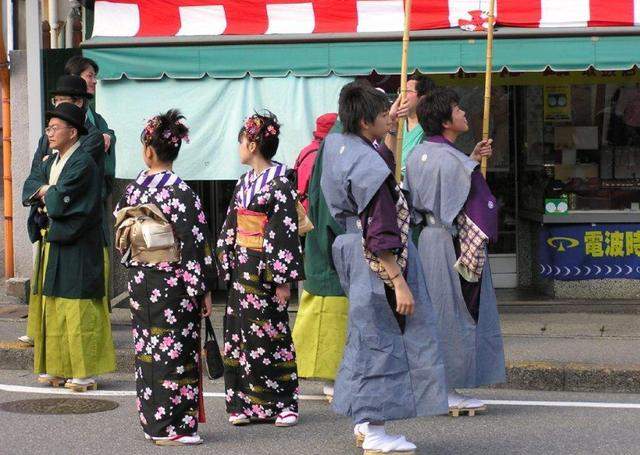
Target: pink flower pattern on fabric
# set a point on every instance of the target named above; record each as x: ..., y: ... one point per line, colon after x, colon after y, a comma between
x: 261, y: 379
x: 165, y: 306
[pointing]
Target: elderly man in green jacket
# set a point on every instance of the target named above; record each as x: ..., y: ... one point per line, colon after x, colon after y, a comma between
x: 73, y: 89
x: 72, y: 332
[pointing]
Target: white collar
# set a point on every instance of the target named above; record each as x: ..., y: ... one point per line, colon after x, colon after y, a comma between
x: 72, y: 149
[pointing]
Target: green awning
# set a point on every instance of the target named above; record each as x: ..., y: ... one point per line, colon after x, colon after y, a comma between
x: 361, y: 58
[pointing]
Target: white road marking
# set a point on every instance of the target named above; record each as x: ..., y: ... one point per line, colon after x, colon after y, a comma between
x: 130, y: 393
x: 111, y: 393
x: 565, y: 404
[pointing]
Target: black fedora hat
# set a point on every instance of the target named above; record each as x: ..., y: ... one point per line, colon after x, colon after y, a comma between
x: 69, y: 85
x: 71, y: 114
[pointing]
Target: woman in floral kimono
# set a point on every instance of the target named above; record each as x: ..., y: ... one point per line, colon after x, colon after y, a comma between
x: 169, y: 298
x: 392, y: 367
x: 260, y: 256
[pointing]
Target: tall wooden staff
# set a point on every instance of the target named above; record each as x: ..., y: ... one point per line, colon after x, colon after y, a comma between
x: 487, y: 83
x: 403, y: 86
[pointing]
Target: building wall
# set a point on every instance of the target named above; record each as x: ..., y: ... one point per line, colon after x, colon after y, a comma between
x: 597, y: 289
x: 21, y: 162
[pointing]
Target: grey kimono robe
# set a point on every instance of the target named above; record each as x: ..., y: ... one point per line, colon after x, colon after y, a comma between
x: 385, y: 374
x: 439, y: 180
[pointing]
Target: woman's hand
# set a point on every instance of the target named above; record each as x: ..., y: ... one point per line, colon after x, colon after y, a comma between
x: 206, y: 305
x: 482, y: 149
x: 404, y: 297
x: 283, y: 293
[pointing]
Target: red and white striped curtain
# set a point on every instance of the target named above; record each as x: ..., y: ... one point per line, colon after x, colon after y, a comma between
x: 137, y: 18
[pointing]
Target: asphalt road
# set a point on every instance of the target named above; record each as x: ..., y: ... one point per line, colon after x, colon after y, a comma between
x: 514, y: 428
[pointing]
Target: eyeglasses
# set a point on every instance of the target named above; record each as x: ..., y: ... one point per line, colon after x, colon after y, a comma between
x: 54, y: 129
x: 55, y: 101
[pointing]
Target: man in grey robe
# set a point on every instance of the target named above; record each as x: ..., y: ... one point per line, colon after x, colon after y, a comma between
x: 457, y: 213
x: 392, y: 366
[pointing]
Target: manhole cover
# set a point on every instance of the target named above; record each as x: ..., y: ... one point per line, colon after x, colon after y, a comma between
x: 58, y: 406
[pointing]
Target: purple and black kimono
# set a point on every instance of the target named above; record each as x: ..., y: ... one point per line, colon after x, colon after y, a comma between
x: 165, y: 302
x: 257, y: 250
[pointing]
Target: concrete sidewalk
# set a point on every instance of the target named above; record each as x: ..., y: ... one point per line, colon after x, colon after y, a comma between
x: 545, y: 351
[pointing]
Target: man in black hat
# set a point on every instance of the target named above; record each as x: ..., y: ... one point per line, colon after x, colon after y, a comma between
x: 70, y: 319
x: 73, y: 89
x: 88, y: 69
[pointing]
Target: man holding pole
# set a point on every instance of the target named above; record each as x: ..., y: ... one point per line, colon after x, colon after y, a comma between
x: 453, y: 205
x: 418, y: 86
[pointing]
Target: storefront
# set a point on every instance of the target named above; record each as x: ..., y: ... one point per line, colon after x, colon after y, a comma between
x: 566, y: 172
x: 563, y: 122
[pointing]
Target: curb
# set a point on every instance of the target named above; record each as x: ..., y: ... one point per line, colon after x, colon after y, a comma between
x: 547, y: 376
x: 572, y: 377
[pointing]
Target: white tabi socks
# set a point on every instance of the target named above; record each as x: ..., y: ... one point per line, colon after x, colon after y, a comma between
x: 376, y: 440
x: 463, y: 402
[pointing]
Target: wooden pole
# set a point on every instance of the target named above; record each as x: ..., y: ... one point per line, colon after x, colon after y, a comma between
x: 403, y: 86
x: 487, y: 83
x: 6, y: 159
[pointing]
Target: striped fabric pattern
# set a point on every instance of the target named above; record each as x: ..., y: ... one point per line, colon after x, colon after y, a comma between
x: 159, y: 180
x: 144, y: 18
x: 403, y: 220
x: 253, y: 184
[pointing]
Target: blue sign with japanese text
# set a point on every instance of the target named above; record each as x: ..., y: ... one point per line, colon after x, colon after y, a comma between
x: 589, y: 251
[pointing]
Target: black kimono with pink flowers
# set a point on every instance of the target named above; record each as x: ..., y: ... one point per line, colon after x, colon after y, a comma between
x: 260, y: 368
x: 165, y: 309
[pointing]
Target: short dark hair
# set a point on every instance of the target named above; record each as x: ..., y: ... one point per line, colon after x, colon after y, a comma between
x: 266, y: 141
x: 424, y: 84
x: 74, y: 99
x: 435, y: 109
x: 360, y: 102
x: 77, y: 64
x: 165, y: 133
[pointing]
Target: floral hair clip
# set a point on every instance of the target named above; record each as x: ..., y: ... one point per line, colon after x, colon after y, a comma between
x: 153, y: 124
x: 253, y: 128
x: 175, y: 139
x: 150, y: 128
x: 184, y: 137
x: 271, y: 131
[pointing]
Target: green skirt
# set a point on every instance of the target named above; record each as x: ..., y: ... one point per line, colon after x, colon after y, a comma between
x: 35, y: 304
x: 319, y: 335
x: 72, y: 337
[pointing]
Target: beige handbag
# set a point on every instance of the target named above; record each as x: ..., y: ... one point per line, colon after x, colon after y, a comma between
x: 144, y: 235
x: 304, y: 223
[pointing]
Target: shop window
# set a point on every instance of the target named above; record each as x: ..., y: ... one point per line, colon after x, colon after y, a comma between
x: 582, y: 144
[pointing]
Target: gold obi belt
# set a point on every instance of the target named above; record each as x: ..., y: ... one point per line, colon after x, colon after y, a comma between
x: 144, y: 235
x: 251, y: 227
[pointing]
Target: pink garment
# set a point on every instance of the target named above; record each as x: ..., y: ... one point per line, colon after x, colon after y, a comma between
x: 307, y: 157
x: 304, y: 168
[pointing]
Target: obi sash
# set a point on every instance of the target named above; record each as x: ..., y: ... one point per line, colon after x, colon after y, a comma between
x: 251, y: 227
